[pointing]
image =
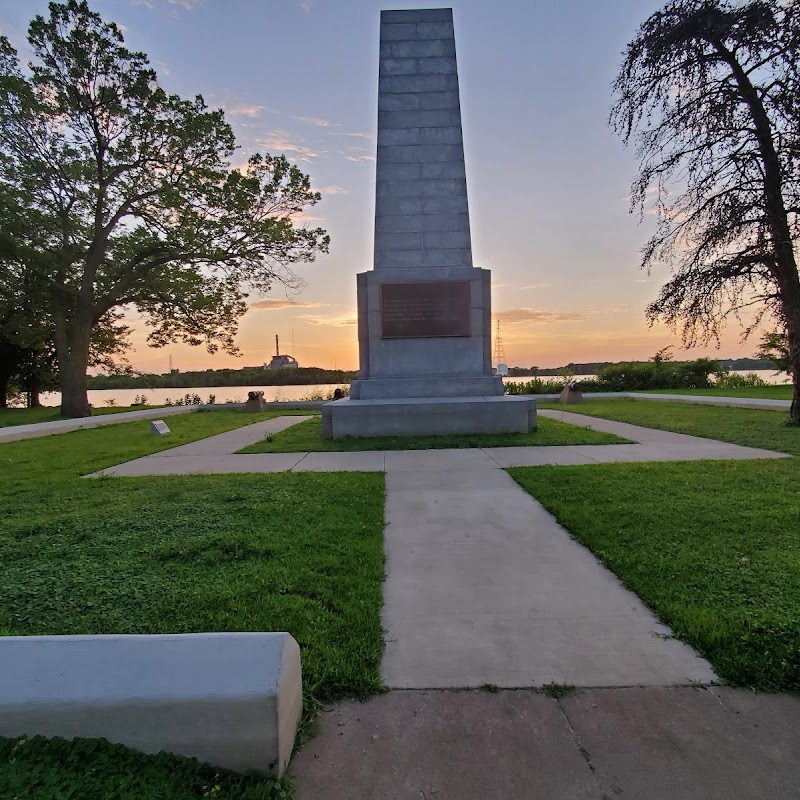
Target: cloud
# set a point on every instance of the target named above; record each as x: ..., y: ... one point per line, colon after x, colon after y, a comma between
x: 517, y: 315
x: 339, y: 319
x: 279, y: 141
x: 187, y: 4
x: 306, y: 218
x: 317, y: 122
x: 360, y: 159
x: 354, y: 135
x: 334, y: 190
x: 537, y: 286
x: 276, y: 303
x: 305, y: 5
x: 244, y: 110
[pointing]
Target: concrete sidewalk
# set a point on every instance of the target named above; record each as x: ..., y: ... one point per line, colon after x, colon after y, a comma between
x: 217, y: 454
x: 213, y: 454
x: 484, y: 586
x: 633, y: 744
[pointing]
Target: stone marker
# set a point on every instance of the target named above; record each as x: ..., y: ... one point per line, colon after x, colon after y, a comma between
x: 424, y: 311
x: 159, y: 428
x: 570, y: 394
x: 231, y: 699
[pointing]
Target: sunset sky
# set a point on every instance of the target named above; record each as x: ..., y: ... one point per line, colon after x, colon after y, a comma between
x: 548, y: 181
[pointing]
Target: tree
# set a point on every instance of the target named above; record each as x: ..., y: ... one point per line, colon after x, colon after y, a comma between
x: 775, y: 347
x: 129, y: 198
x: 710, y: 92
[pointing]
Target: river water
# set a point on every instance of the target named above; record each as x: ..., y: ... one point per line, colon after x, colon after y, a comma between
x: 238, y: 394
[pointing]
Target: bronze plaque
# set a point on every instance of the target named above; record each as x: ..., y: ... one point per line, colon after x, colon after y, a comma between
x: 413, y: 310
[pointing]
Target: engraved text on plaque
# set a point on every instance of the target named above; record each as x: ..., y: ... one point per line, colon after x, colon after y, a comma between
x: 436, y: 308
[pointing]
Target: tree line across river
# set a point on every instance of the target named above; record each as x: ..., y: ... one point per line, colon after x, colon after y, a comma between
x: 656, y: 373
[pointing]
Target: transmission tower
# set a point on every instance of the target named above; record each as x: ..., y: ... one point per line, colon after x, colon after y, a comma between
x: 499, y: 351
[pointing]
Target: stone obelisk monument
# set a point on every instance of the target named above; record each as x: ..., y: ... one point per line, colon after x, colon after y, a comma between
x: 424, y: 311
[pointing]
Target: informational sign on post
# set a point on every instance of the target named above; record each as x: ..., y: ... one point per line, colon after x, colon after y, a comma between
x: 159, y: 428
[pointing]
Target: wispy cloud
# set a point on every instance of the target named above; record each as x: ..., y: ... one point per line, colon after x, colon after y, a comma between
x: 354, y: 135
x: 333, y: 190
x: 244, y: 109
x: 336, y: 319
x: 518, y: 315
x: 317, y: 122
x: 187, y: 4
x: 279, y: 141
x: 306, y: 218
x: 537, y: 286
x: 277, y: 303
x: 359, y: 159
x: 305, y: 5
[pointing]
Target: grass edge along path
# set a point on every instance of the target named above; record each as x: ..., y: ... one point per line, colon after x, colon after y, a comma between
x: 720, y: 565
x: 11, y: 417
x: 87, y: 450
x: 307, y: 437
x: 773, y: 392
x: 750, y: 427
x: 297, y: 552
x: 38, y: 768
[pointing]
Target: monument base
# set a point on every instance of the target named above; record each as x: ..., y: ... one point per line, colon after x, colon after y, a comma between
x: 451, y: 386
x: 425, y: 416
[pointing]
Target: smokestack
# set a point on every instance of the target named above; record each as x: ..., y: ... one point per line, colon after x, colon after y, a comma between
x: 277, y: 350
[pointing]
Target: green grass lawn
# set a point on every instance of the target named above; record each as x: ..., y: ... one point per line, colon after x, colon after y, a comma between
x: 712, y: 547
x: 296, y: 552
x: 763, y: 392
x: 307, y: 437
x: 751, y: 427
x: 94, y: 769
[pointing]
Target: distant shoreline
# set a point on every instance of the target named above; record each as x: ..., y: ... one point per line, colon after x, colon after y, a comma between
x: 307, y: 376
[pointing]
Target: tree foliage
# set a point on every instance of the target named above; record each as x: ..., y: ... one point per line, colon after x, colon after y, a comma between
x: 709, y: 90
x: 775, y: 347
x: 130, y: 200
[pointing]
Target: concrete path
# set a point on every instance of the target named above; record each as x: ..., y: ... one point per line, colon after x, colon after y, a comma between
x: 214, y: 454
x: 598, y: 744
x: 484, y: 586
x: 217, y: 454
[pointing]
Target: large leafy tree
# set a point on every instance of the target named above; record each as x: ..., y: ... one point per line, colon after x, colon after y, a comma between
x: 127, y: 197
x: 709, y: 91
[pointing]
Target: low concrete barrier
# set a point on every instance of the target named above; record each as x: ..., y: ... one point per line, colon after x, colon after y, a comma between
x: 231, y: 699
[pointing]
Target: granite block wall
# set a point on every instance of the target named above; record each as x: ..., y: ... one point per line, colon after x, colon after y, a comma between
x: 421, y: 209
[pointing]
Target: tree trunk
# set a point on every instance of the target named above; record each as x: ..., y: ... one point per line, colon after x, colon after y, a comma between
x: 72, y: 351
x: 74, y: 389
x: 793, y: 336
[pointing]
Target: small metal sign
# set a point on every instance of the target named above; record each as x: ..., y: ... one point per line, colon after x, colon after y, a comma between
x: 159, y: 428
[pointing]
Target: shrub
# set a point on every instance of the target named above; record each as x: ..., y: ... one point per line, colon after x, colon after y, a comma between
x: 662, y: 374
x: 731, y: 380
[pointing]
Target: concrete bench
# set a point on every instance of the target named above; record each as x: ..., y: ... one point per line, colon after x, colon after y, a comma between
x: 231, y: 699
